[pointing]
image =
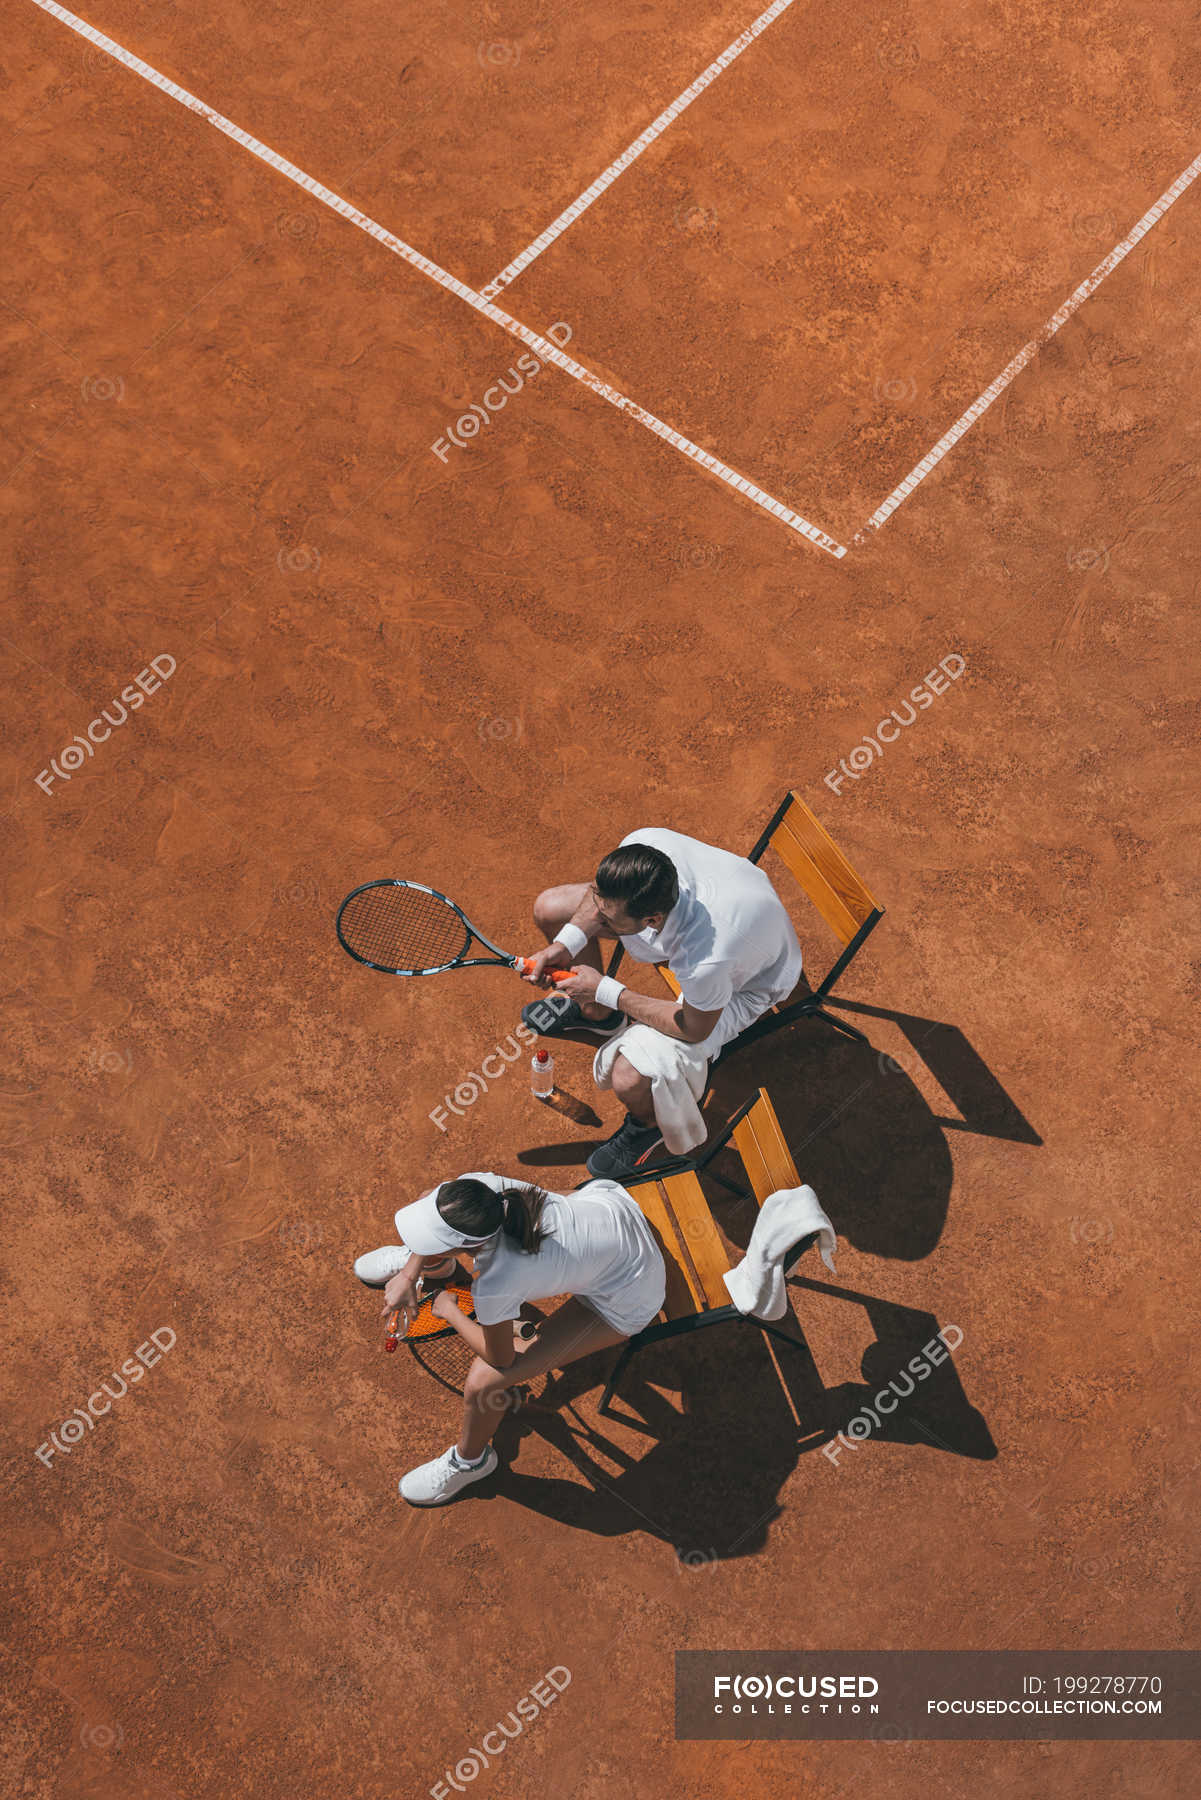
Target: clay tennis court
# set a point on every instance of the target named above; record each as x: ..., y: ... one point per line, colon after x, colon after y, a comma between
x: 652, y: 587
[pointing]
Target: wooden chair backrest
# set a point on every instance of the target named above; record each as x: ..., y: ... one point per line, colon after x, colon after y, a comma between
x: 819, y: 866
x: 694, y: 1256
x: 675, y: 1207
x: 765, y: 1154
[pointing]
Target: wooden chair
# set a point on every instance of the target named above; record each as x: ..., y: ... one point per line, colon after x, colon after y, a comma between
x: 673, y: 1202
x: 841, y: 898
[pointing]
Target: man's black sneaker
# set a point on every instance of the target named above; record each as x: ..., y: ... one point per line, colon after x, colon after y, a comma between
x: 626, y: 1151
x: 556, y: 1014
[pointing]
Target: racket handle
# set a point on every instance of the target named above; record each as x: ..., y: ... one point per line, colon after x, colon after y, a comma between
x: 525, y: 966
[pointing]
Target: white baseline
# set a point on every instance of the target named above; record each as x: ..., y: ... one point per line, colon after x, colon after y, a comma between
x: 1029, y: 351
x: 671, y: 113
x: 549, y: 352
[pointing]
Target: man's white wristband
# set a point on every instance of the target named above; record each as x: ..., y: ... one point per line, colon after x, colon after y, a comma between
x: 572, y: 939
x: 609, y: 991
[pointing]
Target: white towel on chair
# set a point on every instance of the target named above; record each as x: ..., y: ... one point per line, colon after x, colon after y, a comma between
x: 676, y: 1072
x: 757, y: 1284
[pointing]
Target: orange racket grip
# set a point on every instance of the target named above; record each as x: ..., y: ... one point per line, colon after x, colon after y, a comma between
x: 526, y: 966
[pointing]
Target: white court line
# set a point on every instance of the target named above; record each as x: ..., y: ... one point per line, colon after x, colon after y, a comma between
x: 572, y: 213
x: 548, y: 351
x: 1029, y: 351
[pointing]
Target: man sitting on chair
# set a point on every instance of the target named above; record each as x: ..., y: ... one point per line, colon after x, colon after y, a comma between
x: 718, y: 924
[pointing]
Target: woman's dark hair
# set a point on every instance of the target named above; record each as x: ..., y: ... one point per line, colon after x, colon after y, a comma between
x: 644, y: 880
x: 477, y: 1210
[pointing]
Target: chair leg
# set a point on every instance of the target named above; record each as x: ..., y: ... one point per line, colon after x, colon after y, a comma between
x: 615, y: 1377
x: 797, y: 1343
x: 847, y: 1030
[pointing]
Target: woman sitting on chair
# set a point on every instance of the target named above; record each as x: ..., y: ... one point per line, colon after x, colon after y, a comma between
x: 594, y: 1245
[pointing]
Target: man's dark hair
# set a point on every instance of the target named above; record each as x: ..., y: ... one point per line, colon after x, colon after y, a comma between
x: 644, y: 880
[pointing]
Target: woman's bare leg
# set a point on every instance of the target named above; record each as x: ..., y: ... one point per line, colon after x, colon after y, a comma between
x: 571, y: 1332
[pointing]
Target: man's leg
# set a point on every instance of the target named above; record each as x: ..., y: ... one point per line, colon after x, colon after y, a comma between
x: 634, y: 1090
x: 638, y: 1137
x: 571, y: 1332
x: 552, y: 910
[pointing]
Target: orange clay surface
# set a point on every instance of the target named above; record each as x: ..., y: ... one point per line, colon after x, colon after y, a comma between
x: 481, y: 672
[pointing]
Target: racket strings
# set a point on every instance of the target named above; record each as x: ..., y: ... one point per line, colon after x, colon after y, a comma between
x: 403, y: 928
x: 428, y: 1324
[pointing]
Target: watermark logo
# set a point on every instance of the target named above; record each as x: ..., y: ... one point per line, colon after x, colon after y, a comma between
x: 72, y: 1431
x: 695, y: 1559
x: 494, y: 399
x: 918, y: 1368
x: 301, y: 1234
x: 860, y: 759
x: 500, y: 53
x: 499, y: 731
x: 494, y: 1743
x: 297, y: 893
x: 102, y: 387
x: 695, y: 219
x: 301, y: 559
x: 1092, y: 1231
x: 896, y: 390
x: 297, y: 227
x: 697, y: 556
x: 1095, y: 228
x: 101, y: 1737
x: 468, y: 1091
x: 72, y: 758
x: 1086, y: 560
x: 898, y: 58
x: 106, y: 1060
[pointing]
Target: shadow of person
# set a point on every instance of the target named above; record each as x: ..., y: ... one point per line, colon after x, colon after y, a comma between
x: 860, y: 1131
x: 911, y: 1392
x: 708, y: 1428
x: 707, y: 1485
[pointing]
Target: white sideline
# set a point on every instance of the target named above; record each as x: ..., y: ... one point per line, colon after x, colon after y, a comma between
x: 1029, y: 351
x: 572, y: 212
x: 548, y: 351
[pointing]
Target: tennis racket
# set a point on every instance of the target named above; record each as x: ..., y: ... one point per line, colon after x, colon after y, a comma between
x: 426, y: 1323
x: 402, y: 928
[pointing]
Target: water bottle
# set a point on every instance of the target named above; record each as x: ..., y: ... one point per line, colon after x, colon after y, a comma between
x: 542, y: 1074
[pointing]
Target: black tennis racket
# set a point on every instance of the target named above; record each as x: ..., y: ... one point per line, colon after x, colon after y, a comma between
x: 402, y: 928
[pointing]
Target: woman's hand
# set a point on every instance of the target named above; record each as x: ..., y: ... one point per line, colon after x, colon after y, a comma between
x: 445, y: 1306
x: 401, y: 1291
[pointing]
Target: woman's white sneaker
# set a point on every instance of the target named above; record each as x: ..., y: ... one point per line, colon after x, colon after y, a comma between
x: 377, y: 1267
x: 436, y: 1482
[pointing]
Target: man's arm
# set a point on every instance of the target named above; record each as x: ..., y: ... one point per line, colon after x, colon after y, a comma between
x: 674, y: 1018
x: 581, y: 928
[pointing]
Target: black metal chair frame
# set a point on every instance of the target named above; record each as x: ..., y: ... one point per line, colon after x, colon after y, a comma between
x: 814, y: 1004
x: 718, y: 1315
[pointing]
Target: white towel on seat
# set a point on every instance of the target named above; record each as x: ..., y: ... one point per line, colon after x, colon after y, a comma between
x: 757, y: 1284
x: 676, y: 1072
